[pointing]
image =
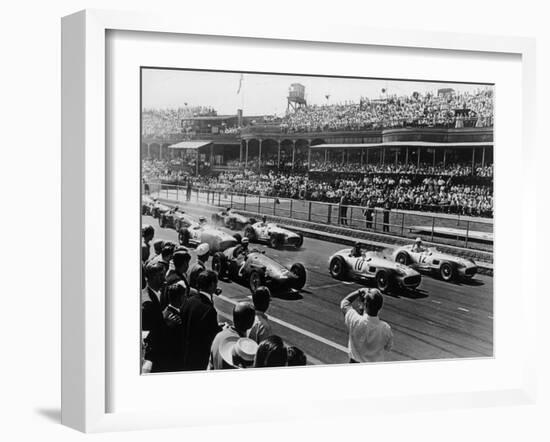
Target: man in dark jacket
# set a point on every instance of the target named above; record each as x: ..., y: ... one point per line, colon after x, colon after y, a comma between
x: 152, y: 320
x: 177, y: 274
x: 200, y: 322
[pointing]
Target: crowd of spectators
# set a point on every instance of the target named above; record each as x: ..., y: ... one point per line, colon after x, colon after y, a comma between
x: 391, y: 111
x: 449, y: 170
x: 427, y: 110
x: 181, y: 330
x: 402, y: 187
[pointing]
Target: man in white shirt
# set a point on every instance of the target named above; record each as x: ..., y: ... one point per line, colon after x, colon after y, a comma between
x: 369, y: 337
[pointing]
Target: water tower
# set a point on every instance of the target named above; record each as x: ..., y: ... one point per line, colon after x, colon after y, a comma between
x: 296, y: 97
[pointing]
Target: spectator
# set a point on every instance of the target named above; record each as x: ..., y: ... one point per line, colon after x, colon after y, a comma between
x: 153, y: 321
x: 243, y: 318
x: 271, y: 353
x: 296, y: 357
x: 177, y: 273
x: 200, y: 322
x: 261, y: 329
x: 369, y: 337
x: 203, y: 253
x: 147, y: 233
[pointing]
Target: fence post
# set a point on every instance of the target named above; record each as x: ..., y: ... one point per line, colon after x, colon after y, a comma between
x: 259, y: 204
x: 244, y: 208
x: 375, y: 213
x: 403, y: 224
x: 433, y: 226
x: 290, y: 214
x: 467, y: 233
x: 231, y: 200
x: 309, y: 211
x: 329, y: 214
x: 197, y: 194
x: 274, y: 206
x: 219, y: 198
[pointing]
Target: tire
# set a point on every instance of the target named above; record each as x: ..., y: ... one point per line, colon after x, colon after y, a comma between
x: 447, y: 272
x: 219, y: 264
x: 183, y: 237
x: 402, y: 258
x: 255, y: 280
x: 143, y: 210
x: 300, y: 271
x: 275, y: 242
x: 162, y: 221
x: 337, y: 267
x: 238, y: 237
x: 383, y: 281
x: 250, y: 233
x: 232, y: 224
x: 300, y: 243
x: 252, y: 221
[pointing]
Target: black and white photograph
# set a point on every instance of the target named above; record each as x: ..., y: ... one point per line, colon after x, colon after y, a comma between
x: 294, y: 220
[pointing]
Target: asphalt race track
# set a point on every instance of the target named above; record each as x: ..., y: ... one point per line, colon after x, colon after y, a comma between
x: 437, y: 321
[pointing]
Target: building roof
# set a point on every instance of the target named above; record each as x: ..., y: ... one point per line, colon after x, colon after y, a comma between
x: 190, y: 144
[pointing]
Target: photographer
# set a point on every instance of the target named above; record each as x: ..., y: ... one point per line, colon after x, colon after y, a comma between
x: 369, y: 337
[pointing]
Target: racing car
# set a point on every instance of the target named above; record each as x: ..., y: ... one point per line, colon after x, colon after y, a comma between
x: 198, y: 233
x: 272, y: 234
x: 176, y: 219
x: 158, y: 209
x: 232, y: 220
x: 431, y: 260
x: 258, y: 270
x: 147, y: 204
x: 373, y: 267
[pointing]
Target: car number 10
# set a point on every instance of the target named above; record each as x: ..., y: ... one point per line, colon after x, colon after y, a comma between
x: 359, y: 264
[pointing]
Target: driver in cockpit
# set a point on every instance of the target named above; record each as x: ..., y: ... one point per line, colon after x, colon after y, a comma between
x: 356, y: 251
x: 418, y: 246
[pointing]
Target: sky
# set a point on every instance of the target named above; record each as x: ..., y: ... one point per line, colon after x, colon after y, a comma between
x: 265, y: 94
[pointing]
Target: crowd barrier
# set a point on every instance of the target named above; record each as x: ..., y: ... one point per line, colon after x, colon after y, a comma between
x: 446, y: 229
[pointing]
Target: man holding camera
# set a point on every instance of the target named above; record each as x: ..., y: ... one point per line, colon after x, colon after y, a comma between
x: 369, y: 337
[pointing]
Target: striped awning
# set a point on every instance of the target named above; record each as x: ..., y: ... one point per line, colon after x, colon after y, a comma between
x: 190, y: 144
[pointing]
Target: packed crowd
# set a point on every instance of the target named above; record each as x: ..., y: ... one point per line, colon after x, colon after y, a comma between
x: 396, y: 111
x: 180, y: 326
x: 450, y: 170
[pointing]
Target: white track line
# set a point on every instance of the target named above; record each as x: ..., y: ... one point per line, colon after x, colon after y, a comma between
x: 296, y: 329
x: 462, y: 309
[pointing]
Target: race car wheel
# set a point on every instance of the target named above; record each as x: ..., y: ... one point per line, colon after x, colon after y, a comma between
x: 252, y: 221
x: 300, y: 271
x: 232, y: 224
x: 275, y: 242
x: 238, y: 237
x: 162, y: 221
x: 255, y: 280
x: 183, y: 237
x: 337, y: 267
x: 250, y: 233
x: 219, y: 264
x: 143, y: 210
x: 300, y: 242
x: 383, y: 281
x: 447, y: 272
x: 402, y: 258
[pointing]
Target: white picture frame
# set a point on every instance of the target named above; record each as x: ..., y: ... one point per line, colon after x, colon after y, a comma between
x: 85, y: 348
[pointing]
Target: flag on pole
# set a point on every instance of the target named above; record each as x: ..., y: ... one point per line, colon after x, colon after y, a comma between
x: 240, y: 84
